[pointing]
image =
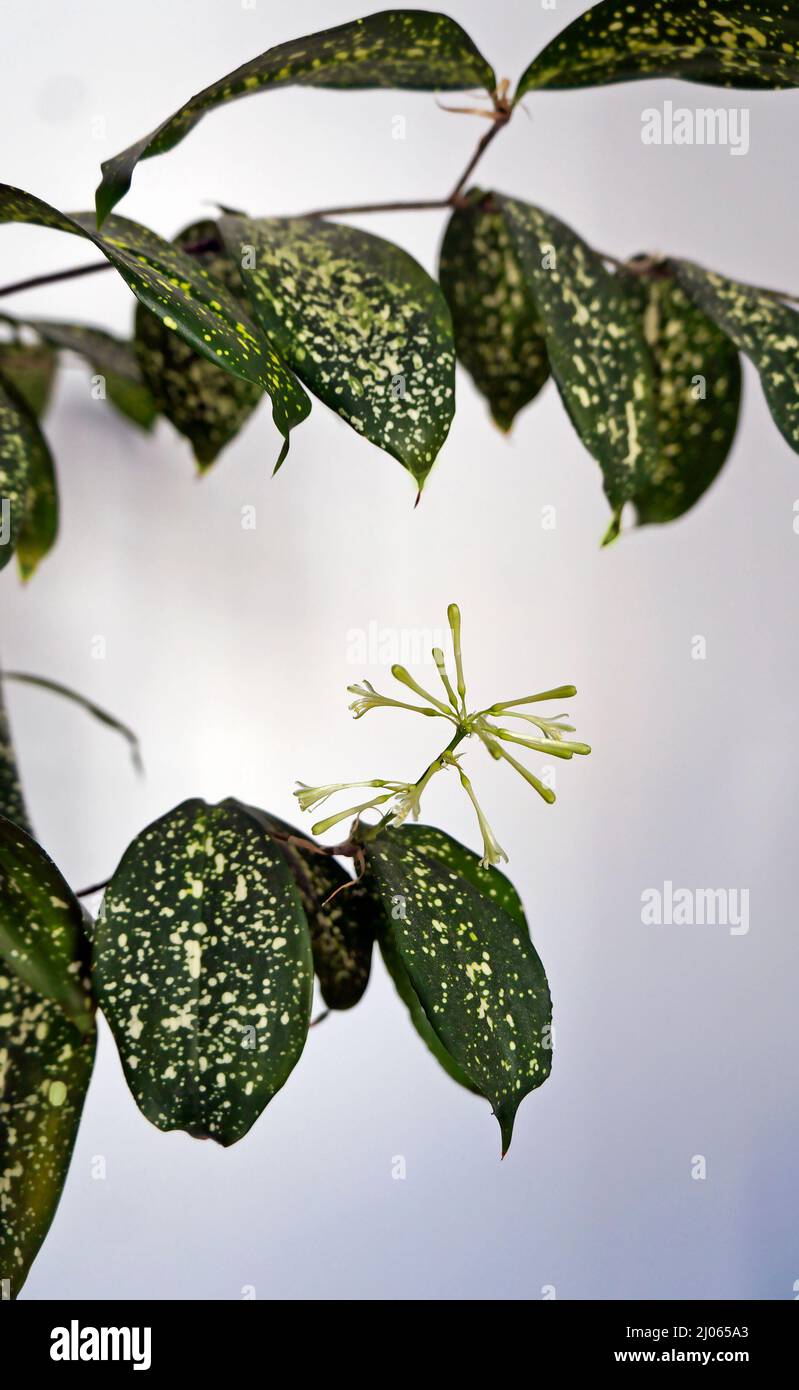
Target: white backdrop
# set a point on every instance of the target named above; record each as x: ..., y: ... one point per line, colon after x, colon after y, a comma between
x: 228, y: 651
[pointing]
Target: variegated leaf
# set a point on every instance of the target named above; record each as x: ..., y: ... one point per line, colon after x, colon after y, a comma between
x: 342, y: 929
x: 499, y: 337
x: 188, y: 300
x: 41, y: 926
x: 203, y: 968
x: 206, y: 405
x: 24, y: 466
x: 46, y: 1069
x: 596, y: 347
x: 417, y: 50
x: 46, y: 1066
x: 759, y: 325
x: 361, y: 323
x: 697, y: 397
x: 471, y: 963
x: 729, y: 43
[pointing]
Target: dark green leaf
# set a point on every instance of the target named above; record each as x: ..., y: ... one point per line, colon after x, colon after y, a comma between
x: 21, y: 446
x: 206, y: 405
x: 46, y: 1066
x: 31, y: 370
x: 12, y: 803
x: 203, y: 968
x: 188, y: 300
x: 499, y: 337
x: 361, y: 323
x: 46, y: 1069
x: 109, y: 357
x: 41, y: 926
x: 343, y: 930
x: 37, y: 509
x: 759, y: 325
x: 697, y: 395
x: 435, y: 844
x: 402, y: 983
x: 596, y: 347
x: 414, y: 49
x: 472, y: 966
x: 730, y: 43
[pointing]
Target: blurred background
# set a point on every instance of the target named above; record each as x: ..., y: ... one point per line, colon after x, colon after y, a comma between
x: 229, y: 651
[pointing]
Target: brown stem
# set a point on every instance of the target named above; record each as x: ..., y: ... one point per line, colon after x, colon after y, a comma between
x: 94, y: 888
x: 500, y: 117
x: 36, y: 280
x: 195, y: 248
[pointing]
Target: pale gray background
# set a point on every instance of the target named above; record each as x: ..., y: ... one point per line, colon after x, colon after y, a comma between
x: 227, y: 650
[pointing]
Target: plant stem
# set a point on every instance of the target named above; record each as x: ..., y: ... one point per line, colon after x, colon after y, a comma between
x: 501, y: 116
x: 646, y: 268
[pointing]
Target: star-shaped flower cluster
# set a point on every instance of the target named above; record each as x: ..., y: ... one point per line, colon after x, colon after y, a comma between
x: 405, y: 797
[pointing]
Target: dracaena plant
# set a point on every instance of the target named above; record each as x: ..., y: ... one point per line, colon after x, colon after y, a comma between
x: 217, y: 921
x: 644, y: 351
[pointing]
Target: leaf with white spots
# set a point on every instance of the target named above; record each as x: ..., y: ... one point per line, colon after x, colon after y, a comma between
x: 342, y: 927
x: 203, y: 968
x: 468, y: 955
x: 760, y: 326
x: 730, y: 43
x: 41, y: 926
x: 361, y: 323
x: 498, y: 334
x: 28, y: 500
x: 31, y: 369
x: 596, y: 347
x: 416, y: 50
x: 697, y: 396
x: 206, y: 405
x: 45, y: 1066
x: 184, y: 296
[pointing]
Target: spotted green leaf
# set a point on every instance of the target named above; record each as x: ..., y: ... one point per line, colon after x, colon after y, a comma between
x: 46, y: 1069
x: 402, y: 983
x: 206, y: 405
x: 41, y: 926
x: 471, y: 963
x: 418, y: 50
x: 46, y: 1066
x: 435, y: 844
x: 31, y: 369
x: 12, y: 802
x: 729, y: 43
x: 25, y: 471
x: 759, y: 325
x: 499, y: 337
x: 596, y: 347
x: 342, y: 930
x: 188, y: 300
x: 697, y: 397
x: 203, y: 969
x: 361, y: 323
